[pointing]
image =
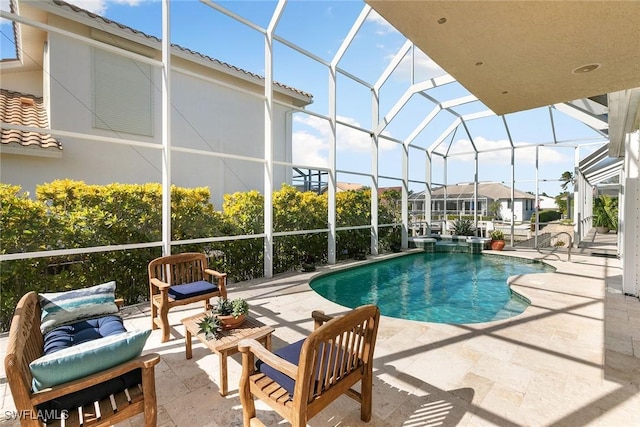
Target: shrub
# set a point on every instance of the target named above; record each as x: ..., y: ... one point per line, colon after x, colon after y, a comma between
x: 463, y: 227
x: 71, y: 214
x: 547, y: 216
x: 497, y: 235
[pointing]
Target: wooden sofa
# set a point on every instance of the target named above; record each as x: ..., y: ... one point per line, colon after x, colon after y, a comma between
x: 25, y: 344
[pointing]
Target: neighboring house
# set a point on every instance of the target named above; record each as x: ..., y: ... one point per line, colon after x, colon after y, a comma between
x: 547, y: 203
x: 460, y: 201
x: 71, y: 87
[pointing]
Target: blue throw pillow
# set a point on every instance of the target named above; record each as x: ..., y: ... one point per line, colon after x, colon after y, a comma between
x: 87, y: 358
x: 62, y: 308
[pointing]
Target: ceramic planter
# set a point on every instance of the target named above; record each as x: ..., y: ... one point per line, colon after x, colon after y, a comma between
x: 497, y: 245
x: 231, y: 322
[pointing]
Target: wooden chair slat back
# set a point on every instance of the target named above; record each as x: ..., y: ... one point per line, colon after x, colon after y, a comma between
x: 179, y: 269
x: 337, y: 349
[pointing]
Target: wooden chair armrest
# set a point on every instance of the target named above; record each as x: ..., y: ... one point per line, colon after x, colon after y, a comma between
x: 276, y: 362
x: 159, y: 283
x: 215, y: 273
x: 146, y: 361
x: 319, y: 318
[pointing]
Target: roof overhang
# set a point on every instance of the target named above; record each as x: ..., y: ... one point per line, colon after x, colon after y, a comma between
x: 518, y: 55
x: 599, y: 166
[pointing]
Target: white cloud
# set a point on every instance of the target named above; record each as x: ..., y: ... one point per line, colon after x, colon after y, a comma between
x: 425, y: 67
x: 96, y: 6
x: 503, y: 156
x: 5, y: 7
x: 100, y: 6
x: 311, y: 146
x: 382, y: 26
x: 308, y: 149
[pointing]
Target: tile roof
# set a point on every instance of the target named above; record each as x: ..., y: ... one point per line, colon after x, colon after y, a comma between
x: 27, y: 110
x: 233, y: 68
x: 492, y: 190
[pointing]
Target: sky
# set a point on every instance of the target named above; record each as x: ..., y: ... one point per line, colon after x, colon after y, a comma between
x: 320, y: 27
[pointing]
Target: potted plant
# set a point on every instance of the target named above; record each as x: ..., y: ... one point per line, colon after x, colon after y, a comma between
x: 497, y: 240
x: 210, y: 326
x: 361, y: 254
x: 308, y: 262
x: 605, y: 214
x: 231, y: 313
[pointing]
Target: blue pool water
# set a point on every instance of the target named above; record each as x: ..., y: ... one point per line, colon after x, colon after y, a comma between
x: 433, y: 287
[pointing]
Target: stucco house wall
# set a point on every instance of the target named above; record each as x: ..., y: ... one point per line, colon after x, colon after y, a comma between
x: 208, y: 114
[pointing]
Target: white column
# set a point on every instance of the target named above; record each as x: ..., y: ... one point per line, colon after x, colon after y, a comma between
x: 405, y: 197
x: 166, y: 130
x: 427, y: 193
x: 631, y: 223
x: 331, y: 201
x: 475, y: 193
x: 268, y: 140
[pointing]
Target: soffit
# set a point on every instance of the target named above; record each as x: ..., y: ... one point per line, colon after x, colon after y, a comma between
x: 526, y: 49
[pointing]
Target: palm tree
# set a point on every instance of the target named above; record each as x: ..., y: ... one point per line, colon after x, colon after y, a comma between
x: 567, y: 178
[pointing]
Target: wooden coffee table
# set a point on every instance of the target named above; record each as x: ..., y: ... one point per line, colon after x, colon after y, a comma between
x: 227, y: 341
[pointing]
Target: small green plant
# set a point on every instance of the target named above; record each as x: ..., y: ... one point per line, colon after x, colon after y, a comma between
x: 240, y: 307
x: 235, y: 308
x: 210, y: 326
x: 463, y: 227
x: 497, y: 235
x: 559, y: 243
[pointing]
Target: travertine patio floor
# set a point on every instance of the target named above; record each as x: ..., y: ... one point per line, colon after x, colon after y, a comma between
x: 572, y: 359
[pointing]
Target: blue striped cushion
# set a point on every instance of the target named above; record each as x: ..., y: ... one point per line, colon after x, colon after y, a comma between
x: 62, y: 308
x: 87, y: 358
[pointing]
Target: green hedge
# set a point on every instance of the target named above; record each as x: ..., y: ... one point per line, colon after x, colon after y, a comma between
x: 547, y: 216
x: 70, y: 214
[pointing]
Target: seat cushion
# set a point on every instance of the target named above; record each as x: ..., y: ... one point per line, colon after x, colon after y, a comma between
x: 291, y: 353
x: 53, y: 409
x: 63, y: 308
x: 86, y: 358
x: 86, y: 330
x: 193, y: 289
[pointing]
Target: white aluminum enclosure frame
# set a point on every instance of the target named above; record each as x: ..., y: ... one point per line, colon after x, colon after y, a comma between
x: 380, y: 120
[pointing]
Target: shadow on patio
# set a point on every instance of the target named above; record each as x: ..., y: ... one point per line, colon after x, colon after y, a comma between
x: 570, y: 359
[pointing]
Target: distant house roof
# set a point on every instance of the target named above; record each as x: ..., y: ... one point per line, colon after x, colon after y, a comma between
x: 489, y: 190
x: 104, y: 21
x: 346, y: 186
x: 26, y: 110
x: 383, y: 190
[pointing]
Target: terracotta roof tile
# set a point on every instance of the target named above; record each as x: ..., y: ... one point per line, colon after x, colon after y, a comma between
x: 107, y: 21
x: 26, y: 110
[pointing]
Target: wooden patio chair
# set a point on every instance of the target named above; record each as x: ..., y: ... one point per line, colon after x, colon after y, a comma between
x: 301, y: 379
x: 181, y: 279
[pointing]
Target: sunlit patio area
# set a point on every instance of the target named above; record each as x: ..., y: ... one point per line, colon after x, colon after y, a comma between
x: 267, y: 134
x: 571, y: 359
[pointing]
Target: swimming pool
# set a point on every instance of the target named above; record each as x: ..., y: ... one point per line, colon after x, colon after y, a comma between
x: 433, y: 287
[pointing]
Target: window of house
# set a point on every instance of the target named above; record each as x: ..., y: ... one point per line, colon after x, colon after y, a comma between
x: 122, y: 94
